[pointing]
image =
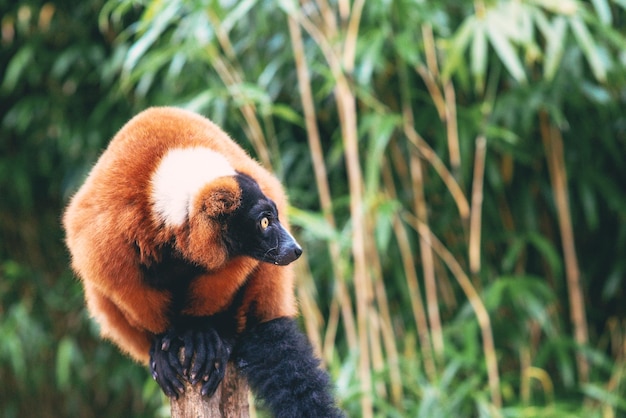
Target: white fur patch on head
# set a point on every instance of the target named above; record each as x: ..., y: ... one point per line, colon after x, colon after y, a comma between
x: 179, y: 177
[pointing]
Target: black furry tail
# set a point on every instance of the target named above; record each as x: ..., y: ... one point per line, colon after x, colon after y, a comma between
x: 278, y: 361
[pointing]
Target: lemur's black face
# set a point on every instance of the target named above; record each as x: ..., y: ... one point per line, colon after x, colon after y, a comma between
x: 253, y: 228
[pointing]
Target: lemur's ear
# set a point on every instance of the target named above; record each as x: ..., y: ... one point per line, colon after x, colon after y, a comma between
x: 219, y: 197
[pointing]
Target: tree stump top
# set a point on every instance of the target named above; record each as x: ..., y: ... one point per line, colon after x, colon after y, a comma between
x: 230, y: 400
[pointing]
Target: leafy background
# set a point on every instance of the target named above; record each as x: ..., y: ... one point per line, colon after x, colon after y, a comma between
x: 455, y: 170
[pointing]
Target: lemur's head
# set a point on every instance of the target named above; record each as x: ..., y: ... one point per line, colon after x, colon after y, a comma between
x: 218, y: 213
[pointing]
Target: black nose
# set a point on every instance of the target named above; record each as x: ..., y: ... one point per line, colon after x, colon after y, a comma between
x: 289, y: 254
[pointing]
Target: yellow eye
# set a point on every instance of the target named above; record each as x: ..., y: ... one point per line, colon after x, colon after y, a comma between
x: 265, y: 223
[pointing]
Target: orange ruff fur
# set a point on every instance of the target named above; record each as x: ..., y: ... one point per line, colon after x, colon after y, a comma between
x: 112, y: 229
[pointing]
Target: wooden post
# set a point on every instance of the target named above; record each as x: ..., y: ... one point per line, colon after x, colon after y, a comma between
x: 230, y: 400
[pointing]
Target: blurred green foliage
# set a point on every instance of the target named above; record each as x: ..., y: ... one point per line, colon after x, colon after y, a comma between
x: 72, y: 74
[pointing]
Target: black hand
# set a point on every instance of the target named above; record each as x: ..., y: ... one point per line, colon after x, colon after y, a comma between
x: 164, y: 364
x: 205, y: 355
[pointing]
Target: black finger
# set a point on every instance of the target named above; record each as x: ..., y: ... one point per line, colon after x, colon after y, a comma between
x: 166, y: 341
x: 203, y: 356
x: 210, y: 386
x: 188, y: 351
x: 174, y: 362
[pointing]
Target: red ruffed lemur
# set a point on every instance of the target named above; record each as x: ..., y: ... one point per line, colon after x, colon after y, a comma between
x: 180, y: 241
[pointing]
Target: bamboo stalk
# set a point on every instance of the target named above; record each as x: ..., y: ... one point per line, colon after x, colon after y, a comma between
x: 415, y: 295
x: 421, y: 211
x: 352, y: 34
x: 377, y: 356
x: 222, y: 36
x: 321, y: 180
x: 346, y: 102
x: 477, y: 204
x: 328, y: 15
x: 482, y: 316
x: 525, y: 364
x: 618, y: 344
x: 328, y: 347
x: 385, y: 327
x: 231, y: 79
x: 430, y: 50
x: 417, y: 306
x: 311, y: 315
x: 430, y: 72
x: 230, y: 72
x: 433, y: 90
x: 446, y: 108
x: 451, y: 184
x: 344, y: 9
x: 362, y: 283
x: 452, y: 132
x: 553, y: 145
x: 346, y: 105
x: 428, y: 265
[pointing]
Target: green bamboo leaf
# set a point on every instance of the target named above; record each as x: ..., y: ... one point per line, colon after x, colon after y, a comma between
x: 555, y: 45
x: 604, y: 396
x: 597, y: 93
x: 457, y: 47
x: 287, y: 113
x: 502, y: 134
x: 612, y: 36
x: 65, y: 61
x: 313, y: 223
x: 290, y: 7
x: 245, y: 93
x: 404, y: 44
x: 541, y: 21
x: 525, y: 24
x: 513, y: 253
x: 548, y: 251
x: 201, y: 100
x: 507, y: 19
x: 145, y: 71
x: 113, y: 11
x: 65, y: 354
x: 613, y: 285
x: 370, y: 58
x: 561, y: 350
x: 156, y: 27
x: 237, y: 14
x: 589, y: 48
x: 561, y: 7
x: 380, y: 128
x: 589, y: 204
x: 15, y: 352
x: 478, y: 60
x: 506, y: 52
x: 177, y: 64
x: 385, y: 212
x: 16, y: 67
x: 603, y: 10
